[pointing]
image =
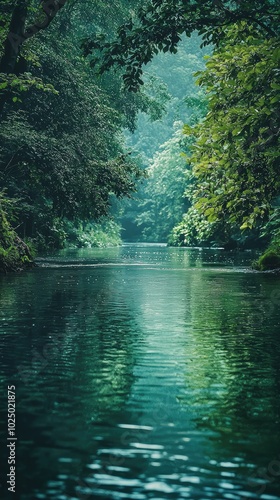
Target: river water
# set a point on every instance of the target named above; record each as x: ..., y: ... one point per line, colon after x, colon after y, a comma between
x: 142, y: 372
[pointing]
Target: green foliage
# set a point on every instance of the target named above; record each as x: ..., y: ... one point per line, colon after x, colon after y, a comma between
x: 269, y: 260
x: 236, y: 155
x: 160, y: 202
x: 14, y: 253
x: 186, y: 102
x: 271, y: 229
x: 194, y: 230
x: 163, y: 202
x: 16, y: 85
x: 159, y: 26
x: 104, y: 234
x: 61, y: 152
x: 6, y: 207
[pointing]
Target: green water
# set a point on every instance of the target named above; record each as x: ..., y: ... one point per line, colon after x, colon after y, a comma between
x: 142, y: 372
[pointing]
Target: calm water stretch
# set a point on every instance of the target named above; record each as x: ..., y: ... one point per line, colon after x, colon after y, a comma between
x: 142, y: 372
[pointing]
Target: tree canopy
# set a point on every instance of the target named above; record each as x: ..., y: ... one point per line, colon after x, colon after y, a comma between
x: 63, y: 155
x: 235, y: 157
x: 159, y: 26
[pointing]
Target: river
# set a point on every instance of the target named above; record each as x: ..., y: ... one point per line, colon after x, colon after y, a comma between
x: 142, y: 372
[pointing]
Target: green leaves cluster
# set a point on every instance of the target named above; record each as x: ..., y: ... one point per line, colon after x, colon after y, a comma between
x: 194, y: 229
x: 235, y: 158
x: 236, y: 155
x: 160, y: 25
x: 16, y: 85
x: 14, y: 253
x: 62, y: 153
x: 163, y: 203
x: 104, y: 234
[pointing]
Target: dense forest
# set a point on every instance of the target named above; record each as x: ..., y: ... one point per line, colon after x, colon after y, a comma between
x: 175, y: 104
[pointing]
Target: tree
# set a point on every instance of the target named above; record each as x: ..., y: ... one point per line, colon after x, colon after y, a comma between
x: 19, y: 30
x: 16, y: 29
x: 235, y: 158
x: 62, y: 154
x: 236, y: 155
x: 163, y: 204
x: 160, y: 24
x: 160, y: 148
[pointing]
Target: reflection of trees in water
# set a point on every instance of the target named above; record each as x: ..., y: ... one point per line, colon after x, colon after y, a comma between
x: 108, y: 346
x: 74, y: 333
x: 232, y: 361
x: 71, y: 408
x: 65, y: 315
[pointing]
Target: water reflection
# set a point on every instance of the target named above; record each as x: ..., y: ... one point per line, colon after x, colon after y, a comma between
x: 154, y: 374
x: 232, y: 377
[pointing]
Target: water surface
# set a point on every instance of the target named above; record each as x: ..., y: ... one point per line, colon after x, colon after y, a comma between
x: 143, y: 372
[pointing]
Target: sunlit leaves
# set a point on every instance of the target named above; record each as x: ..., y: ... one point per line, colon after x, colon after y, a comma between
x: 236, y: 156
x: 16, y: 85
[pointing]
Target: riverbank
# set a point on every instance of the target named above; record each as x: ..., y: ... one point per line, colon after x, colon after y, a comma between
x: 15, y: 254
x: 269, y: 260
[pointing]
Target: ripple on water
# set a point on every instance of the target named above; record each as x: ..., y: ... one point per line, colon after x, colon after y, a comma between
x: 144, y: 373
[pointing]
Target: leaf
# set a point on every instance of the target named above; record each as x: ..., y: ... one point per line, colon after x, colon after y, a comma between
x: 275, y: 86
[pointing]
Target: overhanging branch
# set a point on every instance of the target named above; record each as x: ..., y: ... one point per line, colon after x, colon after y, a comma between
x: 18, y: 33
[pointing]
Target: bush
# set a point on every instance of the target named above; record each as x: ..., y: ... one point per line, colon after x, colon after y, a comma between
x: 193, y: 230
x: 93, y: 234
x: 14, y: 253
x: 269, y: 260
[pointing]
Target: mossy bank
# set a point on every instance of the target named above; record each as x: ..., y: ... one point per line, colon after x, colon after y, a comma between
x: 269, y: 260
x: 15, y: 255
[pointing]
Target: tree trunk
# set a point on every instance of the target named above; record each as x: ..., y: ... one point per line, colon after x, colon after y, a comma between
x: 19, y: 33
x: 14, y: 38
